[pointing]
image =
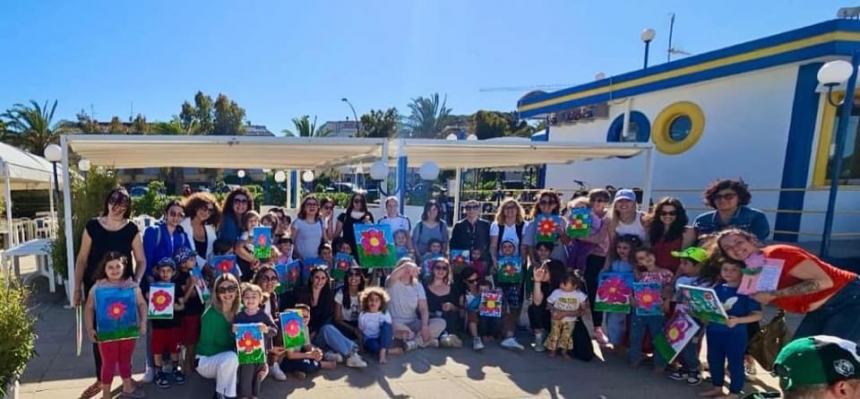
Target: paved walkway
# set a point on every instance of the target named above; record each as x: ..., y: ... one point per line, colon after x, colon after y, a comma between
x: 434, y: 373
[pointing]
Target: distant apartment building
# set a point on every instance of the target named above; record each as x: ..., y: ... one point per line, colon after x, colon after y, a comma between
x: 345, y: 128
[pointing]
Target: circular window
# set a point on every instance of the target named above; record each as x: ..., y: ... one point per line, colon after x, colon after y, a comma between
x: 638, y: 129
x: 678, y: 127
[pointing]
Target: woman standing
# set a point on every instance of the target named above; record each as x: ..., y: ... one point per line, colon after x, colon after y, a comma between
x: 308, y: 231
x: 327, y: 214
x: 442, y: 301
x: 348, y: 306
x: 668, y: 232
x: 410, y: 315
x: 429, y: 228
x: 397, y: 221
x: 626, y: 218
x: 110, y: 231
x: 202, y: 214
x: 549, y: 204
x: 828, y: 296
x: 730, y: 200
x: 356, y: 213
x: 216, y: 348
x: 237, y: 203
x: 599, y: 242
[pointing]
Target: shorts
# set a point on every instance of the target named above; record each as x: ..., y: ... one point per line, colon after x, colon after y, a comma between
x: 165, y: 340
x: 189, y: 331
x: 512, y: 295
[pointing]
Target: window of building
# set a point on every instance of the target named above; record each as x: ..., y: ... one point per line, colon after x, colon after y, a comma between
x: 850, y: 173
x: 678, y: 127
x: 638, y: 129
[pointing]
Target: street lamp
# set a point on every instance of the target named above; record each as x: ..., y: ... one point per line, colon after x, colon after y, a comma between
x: 647, y: 36
x: 84, y: 166
x: 53, y: 153
x: 354, y: 115
x: 241, y: 174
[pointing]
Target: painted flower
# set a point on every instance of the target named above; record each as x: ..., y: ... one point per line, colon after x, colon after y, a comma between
x: 293, y: 274
x: 708, y: 297
x: 261, y: 240
x: 292, y: 328
x: 614, y: 290
x: 675, y: 331
x: 459, y: 259
x: 343, y: 264
x: 510, y: 270
x: 225, y: 266
x: 373, y: 242
x: 647, y: 298
x: 248, y: 343
x: 546, y: 227
x: 491, y: 302
x: 161, y: 300
x: 116, y: 310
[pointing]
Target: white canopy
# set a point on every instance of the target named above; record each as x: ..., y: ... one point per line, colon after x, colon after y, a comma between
x: 26, y: 171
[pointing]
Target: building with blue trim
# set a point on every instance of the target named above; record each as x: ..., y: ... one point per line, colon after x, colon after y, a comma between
x: 753, y: 110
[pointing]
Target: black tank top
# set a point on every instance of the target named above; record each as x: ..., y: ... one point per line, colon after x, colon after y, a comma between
x: 104, y: 241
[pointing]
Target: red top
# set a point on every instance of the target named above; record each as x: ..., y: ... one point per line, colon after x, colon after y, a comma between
x: 663, y: 253
x: 793, y: 256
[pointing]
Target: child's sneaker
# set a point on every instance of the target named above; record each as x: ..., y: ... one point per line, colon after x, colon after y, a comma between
x: 355, y: 361
x: 538, y: 344
x: 511, y: 343
x: 693, y: 379
x: 333, y: 357
x: 410, y: 346
x: 277, y: 373
x: 678, y: 375
x: 450, y: 341
x: 477, y: 344
x: 178, y: 377
x: 161, y: 380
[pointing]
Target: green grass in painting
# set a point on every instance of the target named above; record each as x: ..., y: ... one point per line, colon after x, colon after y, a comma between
x: 116, y: 335
x: 664, y: 348
x: 611, y: 307
x: 255, y: 357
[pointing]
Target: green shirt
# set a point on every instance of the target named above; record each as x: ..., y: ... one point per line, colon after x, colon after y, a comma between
x: 216, y: 334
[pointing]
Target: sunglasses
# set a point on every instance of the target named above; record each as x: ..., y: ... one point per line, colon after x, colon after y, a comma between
x: 668, y: 213
x: 224, y: 289
x: 472, y: 207
x: 472, y: 280
x: 240, y: 200
x: 268, y: 278
x: 175, y: 214
x: 547, y: 202
x: 440, y: 268
x: 312, y: 204
x: 726, y: 196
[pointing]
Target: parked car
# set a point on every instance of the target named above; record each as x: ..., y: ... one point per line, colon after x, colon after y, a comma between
x: 138, y: 191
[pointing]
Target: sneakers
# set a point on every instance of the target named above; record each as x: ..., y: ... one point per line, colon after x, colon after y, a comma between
x: 355, y: 361
x: 512, y: 344
x: 538, y: 344
x: 136, y: 393
x: 693, y: 379
x: 678, y: 376
x: 410, y: 346
x: 161, y: 380
x: 277, y: 373
x: 600, y: 336
x: 333, y: 357
x: 178, y: 377
x: 477, y: 343
x: 450, y: 341
x: 148, y: 376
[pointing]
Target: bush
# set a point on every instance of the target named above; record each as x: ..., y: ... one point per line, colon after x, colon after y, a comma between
x: 17, y: 333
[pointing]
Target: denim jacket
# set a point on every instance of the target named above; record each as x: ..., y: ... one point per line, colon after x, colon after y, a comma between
x: 745, y: 218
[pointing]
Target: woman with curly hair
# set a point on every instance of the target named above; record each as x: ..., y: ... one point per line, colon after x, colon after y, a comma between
x: 730, y: 199
x: 668, y: 231
x: 202, y: 214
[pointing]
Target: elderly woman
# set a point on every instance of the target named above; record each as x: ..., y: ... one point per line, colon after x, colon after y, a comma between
x: 827, y: 295
x: 408, y: 307
x: 216, y: 348
x: 237, y: 203
x: 110, y: 231
x: 730, y: 200
x: 202, y: 214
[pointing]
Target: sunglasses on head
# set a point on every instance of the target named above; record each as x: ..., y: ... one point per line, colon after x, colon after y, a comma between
x: 226, y: 289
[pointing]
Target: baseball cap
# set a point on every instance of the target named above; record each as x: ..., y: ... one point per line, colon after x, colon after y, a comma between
x: 165, y: 262
x: 696, y: 254
x: 183, y: 254
x: 821, y: 359
x: 625, y: 194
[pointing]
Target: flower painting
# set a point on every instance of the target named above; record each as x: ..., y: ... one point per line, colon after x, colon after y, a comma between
x: 459, y: 258
x: 249, y: 343
x: 677, y: 333
x: 161, y: 300
x: 225, y: 264
x: 491, y: 304
x: 116, y: 314
x: 309, y: 264
x: 648, y: 299
x: 289, y: 276
x: 375, y: 245
x: 703, y: 304
x: 342, y: 263
x: 262, y: 242
x: 510, y: 269
x: 293, y: 328
x: 579, y: 223
x: 613, y: 292
x: 547, y: 227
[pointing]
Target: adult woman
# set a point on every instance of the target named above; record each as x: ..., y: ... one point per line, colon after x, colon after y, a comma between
x: 549, y: 204
x: 237, y: 203
x: 626, y: 218
x: 110, y: 231
x: 729, y: 199
x: 327, y: 214
x: 282, y: 226
x: 307, y: 230
x: 397, y: 221
x: 430, y: 227
x: 216, y: 348
x: 202, y: 214
x: 408, y: 307
x: 356, y: 213
x: 598, y: 241
x: 548, y: 277
x: 442, y: 301
x: 318, y: 295
x: 348, y: 307
x: 668, y: 232
x: 827, y: 295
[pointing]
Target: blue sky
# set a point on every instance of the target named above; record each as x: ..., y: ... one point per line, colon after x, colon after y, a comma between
x: 280, y: 59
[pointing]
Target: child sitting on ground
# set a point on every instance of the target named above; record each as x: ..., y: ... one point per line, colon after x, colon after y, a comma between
x: 375, y: 323
x: 305, y: 360
x: 480, y: 327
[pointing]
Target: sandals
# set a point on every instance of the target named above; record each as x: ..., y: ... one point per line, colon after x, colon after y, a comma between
x: 92, y: 390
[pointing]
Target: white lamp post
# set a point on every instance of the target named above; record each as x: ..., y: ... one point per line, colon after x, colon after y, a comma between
x: 241, y: 174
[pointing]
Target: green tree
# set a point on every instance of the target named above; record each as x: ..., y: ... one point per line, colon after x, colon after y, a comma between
x: 491, y: 124
x: 139, y: 125
x: 378, y: 123
x: 116, y: 126
x: 428, y: 116
x: 303, y: 127
x: 228, y: 117
x: 31, y: 126
x: 203, y: 111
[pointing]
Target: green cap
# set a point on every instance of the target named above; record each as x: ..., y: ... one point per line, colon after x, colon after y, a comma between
x: 696, y: 254
x: 821, y: 359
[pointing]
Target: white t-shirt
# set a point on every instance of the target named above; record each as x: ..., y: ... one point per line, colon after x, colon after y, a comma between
x: 404, y: 301
x: 370, y: 323
x: 397, y: 223
x: 566, y: 301
x: 510, y: 234
x: 351, y: 313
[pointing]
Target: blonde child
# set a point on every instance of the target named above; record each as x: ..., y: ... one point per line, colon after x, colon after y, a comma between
x: 115, y: 354
x: 566, y: 302
x: 251, y: 375
x: 375, y: 323
x: 650, y: 273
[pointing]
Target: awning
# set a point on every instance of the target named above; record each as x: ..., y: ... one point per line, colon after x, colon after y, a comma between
x: 26, y: 171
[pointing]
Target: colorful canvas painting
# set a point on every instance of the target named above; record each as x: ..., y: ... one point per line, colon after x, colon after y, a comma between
x: 649, y: 299
x: 289, y: 276
x: 579, y: 223
x: 342, y: 263
x: 375, y: 245
x: 225, y: 264
x: 613, y: 292
x: 161, y: 298
x: 460, y: 258
x: 201, y: 285
x: 312, y: 263
x: 293, y: 328
x: 677, y: 333
x: 491, y: 303
x: 703, y: 304
x: 761, y: 278
x: 510, y: 269
x: 249, y: 343
x: 116, y: 314
x: 262, y: 240
x: 547, y: 227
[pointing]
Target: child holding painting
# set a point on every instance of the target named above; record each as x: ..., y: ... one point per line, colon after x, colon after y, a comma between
x: 251, y: 375
x: 166, y: 335
x: 190, y: 301
x: 653, y: 323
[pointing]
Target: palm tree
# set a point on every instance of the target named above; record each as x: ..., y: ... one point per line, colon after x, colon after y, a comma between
x: 305, y: 128
x: 428, y: 116
x: 29, y: 126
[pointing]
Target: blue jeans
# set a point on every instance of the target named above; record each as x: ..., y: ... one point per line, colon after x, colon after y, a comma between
x: 638, y: 325
x: 836, y: 317
x: 383, y: 341
x: 615, y: 325
x: 330, y: 337
x: 727, y: 346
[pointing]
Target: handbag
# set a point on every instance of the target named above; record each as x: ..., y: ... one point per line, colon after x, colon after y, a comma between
x: 766, y: 344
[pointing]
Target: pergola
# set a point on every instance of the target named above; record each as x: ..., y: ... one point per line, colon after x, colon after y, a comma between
x: 314, y: 153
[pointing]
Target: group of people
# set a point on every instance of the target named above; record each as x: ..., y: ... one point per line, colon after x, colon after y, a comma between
x: 433, y: 295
